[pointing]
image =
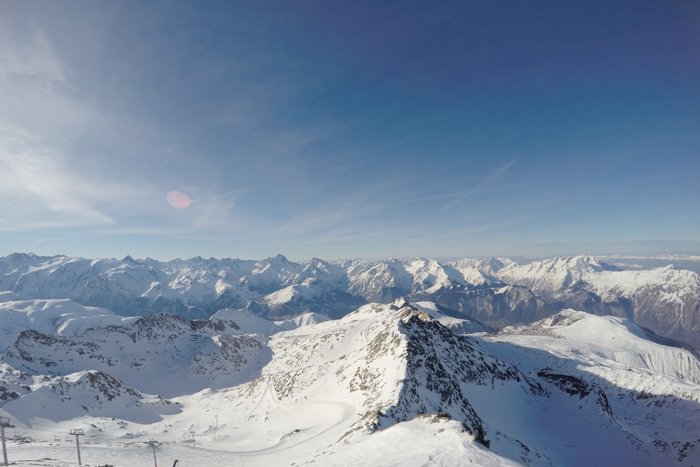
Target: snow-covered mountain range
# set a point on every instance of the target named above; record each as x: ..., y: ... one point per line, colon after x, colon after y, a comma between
x: 387, y: 384
x: 496, y: 292
x: 561, y: 362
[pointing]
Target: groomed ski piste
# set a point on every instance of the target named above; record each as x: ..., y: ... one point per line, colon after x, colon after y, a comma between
x: 389, y: 385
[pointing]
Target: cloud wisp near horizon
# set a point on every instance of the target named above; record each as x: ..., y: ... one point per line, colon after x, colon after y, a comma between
x: 371, y: 129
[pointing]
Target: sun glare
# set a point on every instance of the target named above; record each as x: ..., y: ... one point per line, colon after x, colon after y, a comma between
x: 179, y: 200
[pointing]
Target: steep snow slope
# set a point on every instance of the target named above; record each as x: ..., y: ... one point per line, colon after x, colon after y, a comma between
x: 340, y: 381
x: 8, y: 296
x: 486, y: 267
x: 456, y: 325
x: 430, y: 276
x: 666, y: 300
x: 60, y: 398
x: 553, y: 277
x: 389, y: 279
x: 381, y: 282
x: 611, y: 344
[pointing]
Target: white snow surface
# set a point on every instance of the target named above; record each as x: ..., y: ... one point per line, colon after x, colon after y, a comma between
x: 606, y: 343
x: 254, y: 324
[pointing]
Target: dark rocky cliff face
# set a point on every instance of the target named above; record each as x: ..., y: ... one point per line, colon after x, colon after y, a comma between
x: 440, y: 367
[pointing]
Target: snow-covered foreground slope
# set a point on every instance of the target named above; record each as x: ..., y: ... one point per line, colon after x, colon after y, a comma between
x: 385, y: 385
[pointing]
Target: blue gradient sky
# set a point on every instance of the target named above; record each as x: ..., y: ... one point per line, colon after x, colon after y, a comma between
x: 355, y: 129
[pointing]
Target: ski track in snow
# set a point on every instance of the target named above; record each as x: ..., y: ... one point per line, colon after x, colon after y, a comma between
x: 348, y: 411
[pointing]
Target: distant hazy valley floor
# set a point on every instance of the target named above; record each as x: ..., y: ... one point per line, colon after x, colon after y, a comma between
x: 569, y: 361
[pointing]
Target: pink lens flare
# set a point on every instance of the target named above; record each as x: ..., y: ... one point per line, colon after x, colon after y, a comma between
x: 178, y: 199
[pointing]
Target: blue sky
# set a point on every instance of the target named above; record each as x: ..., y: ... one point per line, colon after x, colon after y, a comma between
x: 349, y: 129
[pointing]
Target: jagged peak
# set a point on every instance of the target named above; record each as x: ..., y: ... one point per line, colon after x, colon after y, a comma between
x: 162, y: 317
x: 316, y: 260
x: 279, y: 258
x: 399, y: 303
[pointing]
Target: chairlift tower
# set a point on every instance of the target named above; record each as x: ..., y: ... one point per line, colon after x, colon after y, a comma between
x: 4, y: 423
x: 153, y: 443
x: 77, y: 433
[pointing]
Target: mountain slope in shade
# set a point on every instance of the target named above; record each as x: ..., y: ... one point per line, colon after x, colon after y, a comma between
x: 652, y: 389
x: 455, y: 324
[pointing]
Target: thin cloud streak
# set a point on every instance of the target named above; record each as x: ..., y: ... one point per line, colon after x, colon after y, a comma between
x: 314, y: 222
x: 33, y: 57
x: 483, y: 184
x: 462, y: 232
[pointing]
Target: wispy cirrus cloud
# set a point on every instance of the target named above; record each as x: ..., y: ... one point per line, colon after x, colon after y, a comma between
x: 37, y: 186
x: 34, y: 81
x: 30, y: 170
x: 32, y: 58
